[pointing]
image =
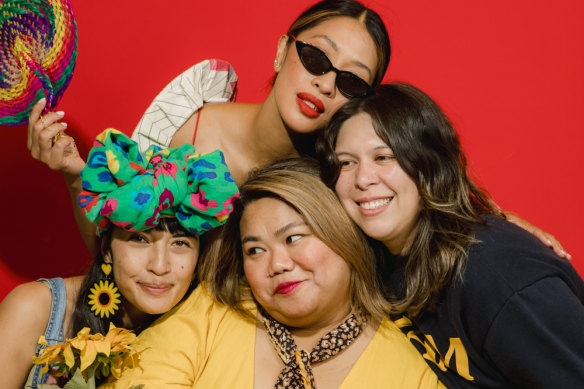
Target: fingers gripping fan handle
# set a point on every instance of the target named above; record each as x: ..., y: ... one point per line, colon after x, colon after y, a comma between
x: 38, y: 49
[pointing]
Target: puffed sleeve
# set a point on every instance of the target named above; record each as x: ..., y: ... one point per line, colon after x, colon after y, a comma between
x: 212, y: 80
x: 173, y: 350
x: 536, y: 340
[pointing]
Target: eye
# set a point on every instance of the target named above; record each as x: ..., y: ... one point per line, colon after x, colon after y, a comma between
x: 182, y: 243
x: 138, y: 238
x: 385, y: 157
x: 253, y: 251
x: 293, y: 238
x: 345, y: 163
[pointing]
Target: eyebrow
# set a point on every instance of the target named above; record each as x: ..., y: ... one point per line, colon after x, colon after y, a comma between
x: 184, y: 235
x: 279, y: 232
x: 333, y: 44
x: 380, y: 147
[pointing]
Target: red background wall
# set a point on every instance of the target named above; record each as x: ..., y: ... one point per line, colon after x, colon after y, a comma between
x: 508, y: 73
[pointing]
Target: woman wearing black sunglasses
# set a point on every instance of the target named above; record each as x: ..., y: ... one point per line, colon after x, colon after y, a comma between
x: 340, y: 50
x: 345, y: 50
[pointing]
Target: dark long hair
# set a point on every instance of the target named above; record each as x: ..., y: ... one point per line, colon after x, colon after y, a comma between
x: 83, y: 316
x: 427, y: 148
x: 330, y: 9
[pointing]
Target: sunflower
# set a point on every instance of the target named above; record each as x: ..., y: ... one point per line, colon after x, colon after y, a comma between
x: 104, y: 299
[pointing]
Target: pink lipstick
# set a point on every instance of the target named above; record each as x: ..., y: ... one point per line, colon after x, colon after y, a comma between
x: 156, y: 288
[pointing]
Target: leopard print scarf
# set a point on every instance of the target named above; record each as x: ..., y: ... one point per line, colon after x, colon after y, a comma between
x: 297, y: 374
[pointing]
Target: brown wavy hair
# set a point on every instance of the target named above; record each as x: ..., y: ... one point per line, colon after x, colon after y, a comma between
x: 296, y: 182
x: 428, y: 149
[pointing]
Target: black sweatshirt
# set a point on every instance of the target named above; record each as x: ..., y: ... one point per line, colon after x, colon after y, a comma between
x: 516, y: 319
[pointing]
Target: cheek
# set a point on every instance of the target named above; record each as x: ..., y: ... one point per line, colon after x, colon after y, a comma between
x: 255, y: 275
x: 186, y: 267
x: 339, y: 101
x: 337, y: 271
x: 342, y: 188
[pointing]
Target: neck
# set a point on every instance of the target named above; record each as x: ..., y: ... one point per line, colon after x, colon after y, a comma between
x: 401, y: 246
x: 270, y: 139
x: 133, y: 318
x: 307, y: 338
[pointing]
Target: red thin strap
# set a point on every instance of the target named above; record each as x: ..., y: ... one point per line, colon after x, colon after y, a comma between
x: 197, y: 124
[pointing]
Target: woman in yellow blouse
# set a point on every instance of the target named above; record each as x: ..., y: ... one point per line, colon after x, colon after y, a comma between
x: 300, y: 303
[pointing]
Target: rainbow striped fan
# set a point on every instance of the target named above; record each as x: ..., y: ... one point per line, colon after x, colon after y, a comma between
x: 38, y: 49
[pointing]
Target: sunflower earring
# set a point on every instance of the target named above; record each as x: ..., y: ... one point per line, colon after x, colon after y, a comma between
x: 105, y: 298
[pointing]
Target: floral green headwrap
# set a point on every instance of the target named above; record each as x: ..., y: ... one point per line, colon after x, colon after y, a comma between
x: 133, y: 190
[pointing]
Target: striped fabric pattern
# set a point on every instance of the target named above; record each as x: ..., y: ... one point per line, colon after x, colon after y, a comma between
x: 212, y: 80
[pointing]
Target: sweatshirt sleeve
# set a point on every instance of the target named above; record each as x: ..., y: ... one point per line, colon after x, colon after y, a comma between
x: 537, y: 338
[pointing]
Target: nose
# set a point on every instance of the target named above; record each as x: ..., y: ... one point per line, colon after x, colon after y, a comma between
x: 365, y: 176
x: 280, y: 262
x: 158, y: 263
x: 326, y: 83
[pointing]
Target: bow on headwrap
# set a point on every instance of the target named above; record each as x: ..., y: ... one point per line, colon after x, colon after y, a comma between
x: 133, y: 190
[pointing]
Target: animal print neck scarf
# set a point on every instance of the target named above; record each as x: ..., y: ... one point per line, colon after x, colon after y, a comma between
x: 297, y: 374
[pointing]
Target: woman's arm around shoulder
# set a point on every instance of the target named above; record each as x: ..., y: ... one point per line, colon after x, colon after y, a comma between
x: 24, y: 315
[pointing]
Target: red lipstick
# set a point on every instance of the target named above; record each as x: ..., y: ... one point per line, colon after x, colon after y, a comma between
x: 286, y: 288
x: 307, y: 109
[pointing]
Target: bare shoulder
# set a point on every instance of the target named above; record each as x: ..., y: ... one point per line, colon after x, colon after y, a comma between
x: 223, y: 126
x: 232, y: 119
x: 24, y: 315
x: 27, y: 303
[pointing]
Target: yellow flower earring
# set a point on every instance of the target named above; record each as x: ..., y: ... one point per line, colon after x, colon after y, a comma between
x: 104, y: 297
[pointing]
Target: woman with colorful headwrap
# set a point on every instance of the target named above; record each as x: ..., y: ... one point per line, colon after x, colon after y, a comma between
x: 300, y: 307
x: 151, y: 210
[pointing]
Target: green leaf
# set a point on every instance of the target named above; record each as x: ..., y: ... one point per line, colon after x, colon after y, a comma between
x: 77, y: 382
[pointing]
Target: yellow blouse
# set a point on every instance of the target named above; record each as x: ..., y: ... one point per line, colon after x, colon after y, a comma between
x: 204, y: 344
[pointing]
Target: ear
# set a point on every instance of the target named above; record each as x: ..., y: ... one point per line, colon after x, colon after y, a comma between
x: 281, y: 52
x: 106, y: 250
x: 107, y: 256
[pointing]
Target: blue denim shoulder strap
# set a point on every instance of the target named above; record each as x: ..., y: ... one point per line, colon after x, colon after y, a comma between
x: 54, y: 331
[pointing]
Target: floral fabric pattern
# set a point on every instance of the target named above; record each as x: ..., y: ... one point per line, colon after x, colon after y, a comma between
x: 134, y: 190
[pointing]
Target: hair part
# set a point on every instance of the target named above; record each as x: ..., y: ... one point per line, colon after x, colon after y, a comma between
x: 428, y: 149
x: 329, y: 9
x: 295, y: 182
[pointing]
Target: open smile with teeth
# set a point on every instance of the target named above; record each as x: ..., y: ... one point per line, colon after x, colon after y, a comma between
x: 375, y: 203
x: 311, y: 105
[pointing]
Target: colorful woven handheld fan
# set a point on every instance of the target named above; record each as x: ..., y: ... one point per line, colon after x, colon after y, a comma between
x: 38, y: 49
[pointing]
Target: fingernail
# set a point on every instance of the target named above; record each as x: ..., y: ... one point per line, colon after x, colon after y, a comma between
x: 60, y: 113
x: 568, y: 256
x: 549, y: 242
x: 64, y: 124
x: 42, y: 101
